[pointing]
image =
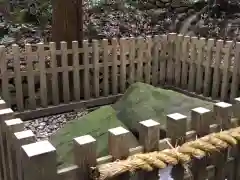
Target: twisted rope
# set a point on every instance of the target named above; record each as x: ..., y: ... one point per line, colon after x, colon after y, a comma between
x: 214, y: 142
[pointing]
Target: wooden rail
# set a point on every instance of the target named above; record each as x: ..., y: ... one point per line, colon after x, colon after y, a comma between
x: 40, y: 76
x: 23, y: 158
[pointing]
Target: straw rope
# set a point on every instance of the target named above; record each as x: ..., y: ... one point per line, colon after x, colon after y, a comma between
x: 214, y: 142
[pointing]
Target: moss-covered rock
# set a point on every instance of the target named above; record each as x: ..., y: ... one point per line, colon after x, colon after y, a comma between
x: 96, y: 124
x: 140, y: 102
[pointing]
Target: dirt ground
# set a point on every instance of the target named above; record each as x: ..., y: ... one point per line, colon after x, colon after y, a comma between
x: 138, y: 18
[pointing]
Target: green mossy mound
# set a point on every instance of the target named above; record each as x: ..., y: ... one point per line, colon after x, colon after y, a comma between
x: 140, y: 102
x: 96, y: 124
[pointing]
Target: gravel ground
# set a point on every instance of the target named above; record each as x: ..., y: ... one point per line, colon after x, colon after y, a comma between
x: 45, y: 126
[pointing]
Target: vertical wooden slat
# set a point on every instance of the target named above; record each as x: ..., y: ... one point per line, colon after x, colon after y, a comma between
x: 200, y: 122
x: 208, y: 72
x: 140, y: 46
x: 118, y: 146
x: 123, y: 74
x: 226, y: 65
x: 114, y: 67
x: 155, y: 63
x: 43, y: 83
x: 236, y: 72
x: 66, y: 93
x: 216, y: 74
x: 39, y: 161
x: 149, y: 135
x: 21, y: 138
x: 86, y: 70
x: 163, y: 63
x: 178, y: 57
x: 132, y: 57
x: 148, y: 54
x: 30, y: 77
x: 178, y: 123
x: 5, y: 114
x: 170, y: 61
x: 185, y: 55
x: 84, y: 149
x: 12, y: 126
x: 55, y: 89
x: 96, y: 67
x: 192, y: 64
x: 5, y: 84
x: 18, y: 77
x: 105, y: 67
x: 76, y: 79
x: 200, y: 59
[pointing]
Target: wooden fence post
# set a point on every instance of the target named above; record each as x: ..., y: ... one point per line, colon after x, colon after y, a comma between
x: 236, y: 112
x: 118, y: 145
x: 222, y: 112
x: 236, y: 108
x: 84, y: 148
x: 149, y: 135
x: 2, y: 104
x: 10, y: 127
x: 176, y: 130
x: 21, y: 138
x: 4, y: 115
x: 200, y: 122
x: 39, y: 161
x: 201, y: 119
x: 178, y: 122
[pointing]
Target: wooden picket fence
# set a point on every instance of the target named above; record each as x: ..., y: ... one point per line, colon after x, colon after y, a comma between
x: 46, y: 80
x: 23, y: 158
